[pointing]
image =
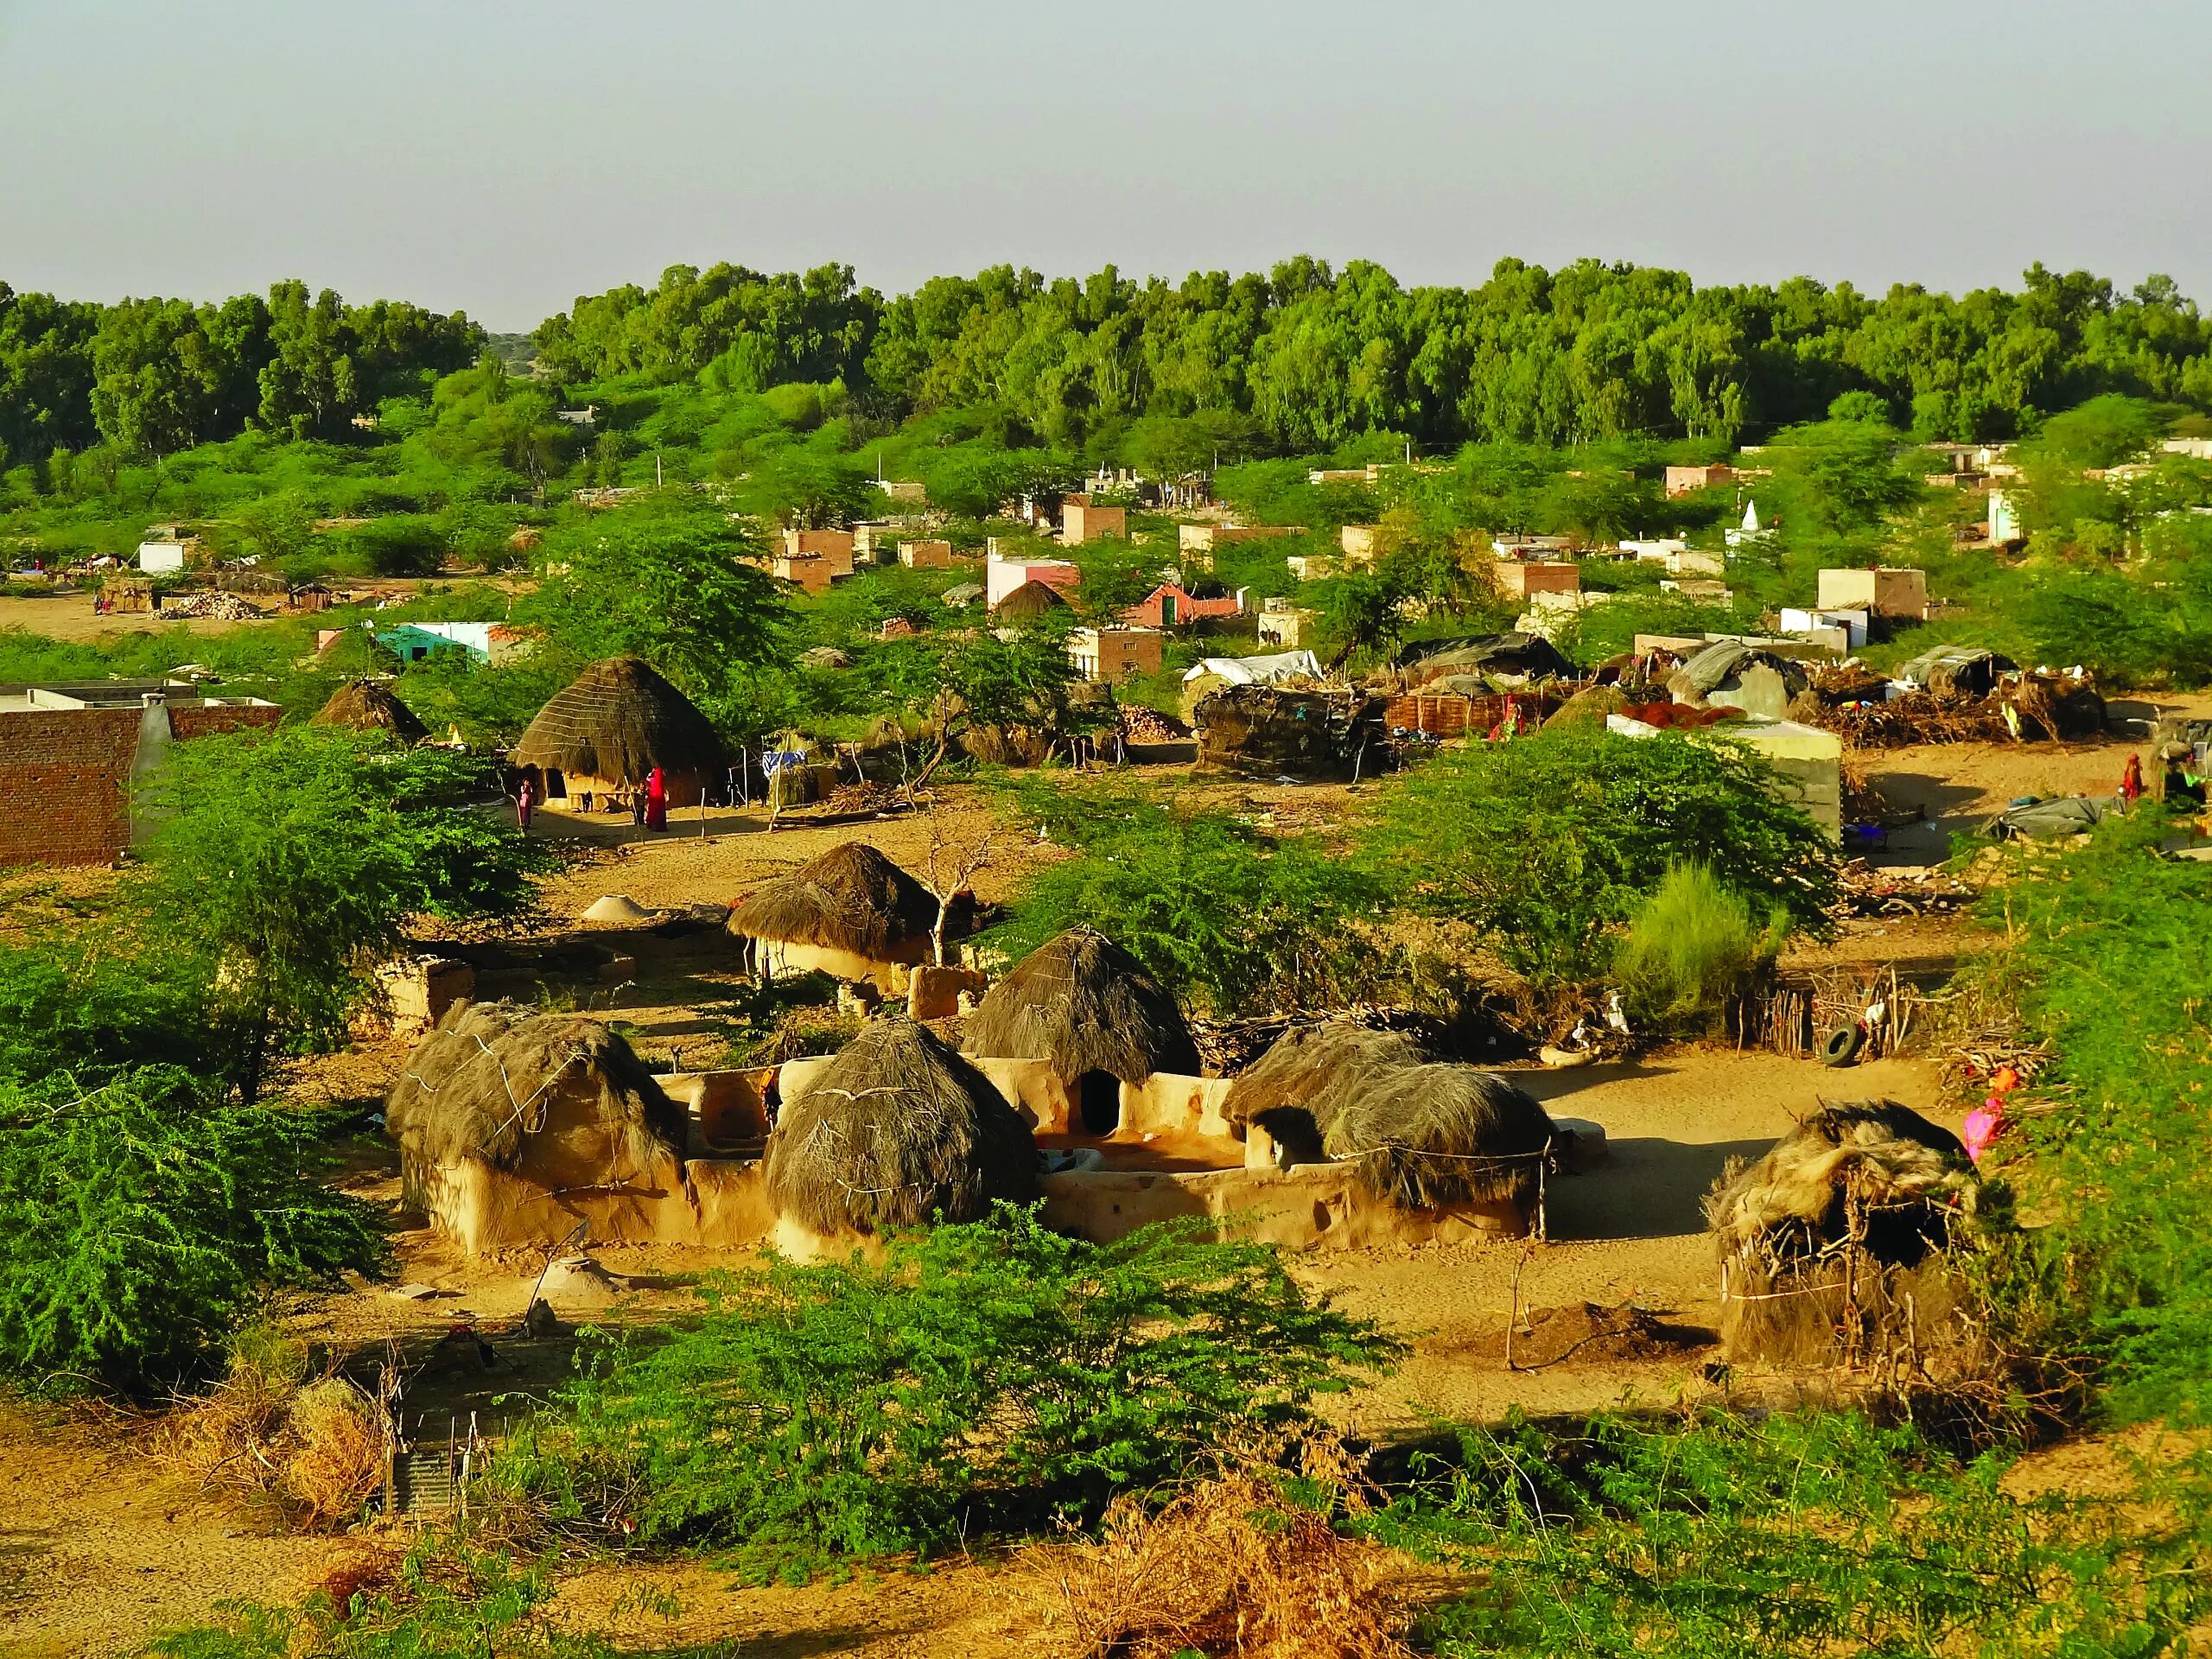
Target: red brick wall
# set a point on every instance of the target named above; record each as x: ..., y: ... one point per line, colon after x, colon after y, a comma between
x: 63, y: 773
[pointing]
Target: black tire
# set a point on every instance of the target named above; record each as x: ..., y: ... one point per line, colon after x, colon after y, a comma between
x: 1843, y: 1046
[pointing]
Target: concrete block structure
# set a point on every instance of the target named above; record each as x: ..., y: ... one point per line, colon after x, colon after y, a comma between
x: 1104, y: 656
x: 72, y: 754
x: 1081, y: 522
x: 833, y: 547
x: 1519, y: 578
x: 1881, y: 591
x: 926, y: 554
x: 1682, y: 481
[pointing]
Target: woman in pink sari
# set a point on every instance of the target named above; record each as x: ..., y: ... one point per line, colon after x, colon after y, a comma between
x: 656, y: 801
x: 525, y: 801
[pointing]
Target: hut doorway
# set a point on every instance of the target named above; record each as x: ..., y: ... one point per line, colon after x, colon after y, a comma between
x: 1098, y: 1102
x: 556, y: 787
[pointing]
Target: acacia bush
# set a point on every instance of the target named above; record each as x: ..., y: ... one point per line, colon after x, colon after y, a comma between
x: 141, y: 1220
x: 1549, y: 842
x: 976, y: 1378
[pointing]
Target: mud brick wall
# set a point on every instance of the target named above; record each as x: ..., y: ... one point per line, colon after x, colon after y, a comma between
x: 64, y: 772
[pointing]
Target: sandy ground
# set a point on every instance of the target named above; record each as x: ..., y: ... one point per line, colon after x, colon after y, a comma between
x: 70, y: 617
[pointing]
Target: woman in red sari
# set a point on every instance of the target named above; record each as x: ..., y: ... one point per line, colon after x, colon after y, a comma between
x: 656, y: 801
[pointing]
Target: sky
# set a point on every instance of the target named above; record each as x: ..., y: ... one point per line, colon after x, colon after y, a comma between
x: 504, y: 157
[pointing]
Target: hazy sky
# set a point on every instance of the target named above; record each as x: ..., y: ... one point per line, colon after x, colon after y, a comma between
x: 505, y: 157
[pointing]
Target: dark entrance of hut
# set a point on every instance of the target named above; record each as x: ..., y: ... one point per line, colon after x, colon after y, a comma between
x: 1098, y: 1102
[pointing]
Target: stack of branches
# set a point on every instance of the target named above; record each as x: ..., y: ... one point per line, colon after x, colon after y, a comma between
x: 1862, y: 891
x: 1233, y: 1566
x: 1836, y: 1245
x: 1916, y: 717
x: 1971, y: 1063
x: 1142, y: 724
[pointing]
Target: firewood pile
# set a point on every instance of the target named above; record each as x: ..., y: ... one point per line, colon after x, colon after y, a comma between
x: 211, y: 603
x: 1970, y: 1064
x: 1228, y: 1047
x: 2024, y: 708
x: 1866, y: 892
x: 1143, y: 725
x: 859, y: 797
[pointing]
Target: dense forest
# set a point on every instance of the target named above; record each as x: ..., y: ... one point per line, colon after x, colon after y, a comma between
x: 1303, y: 358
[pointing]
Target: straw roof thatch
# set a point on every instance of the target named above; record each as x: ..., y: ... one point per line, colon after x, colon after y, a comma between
x: 1084, y: 1004
x: 1028, y: 601
x: 897, y: 1131
x: 370, y: 706
x: 1429, y: 1135
x: 618, y: 721
x: 852, y: 898
x: 1906, y: 1179
x: 492, y: 1075
x: 1316, y: 1070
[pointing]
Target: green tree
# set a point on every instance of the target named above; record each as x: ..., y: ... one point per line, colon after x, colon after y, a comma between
x: 285, y: 863
x: 1547, y: 841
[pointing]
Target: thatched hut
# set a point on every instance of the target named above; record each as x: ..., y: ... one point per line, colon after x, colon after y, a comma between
x: 1435, y: 1136
x: 897, y: 1131
x: 371, y: 706
x: 502, y: 1114
x: 1295, y: 1091
x: 851, y: 913
x: 1087, y: 1006
x: 1839, y: 1227
x: 1030, y: 602
x: 609, y: 729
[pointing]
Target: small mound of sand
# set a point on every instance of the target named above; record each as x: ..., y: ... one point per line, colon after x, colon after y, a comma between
x: 619, y: 908
x: 578, y: 1282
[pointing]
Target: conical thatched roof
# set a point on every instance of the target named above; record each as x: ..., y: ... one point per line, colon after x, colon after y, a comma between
x: 1083, y: 1003
x: 370, y: 706
x: 896, y: 1132
x: 1428, y: 1135
x: 1317, y: 1069
x: 852, y: 898
x: 1910, y: 1179
x: 618, y: 721
x: 1030, y: 601
x: 493, y: 1074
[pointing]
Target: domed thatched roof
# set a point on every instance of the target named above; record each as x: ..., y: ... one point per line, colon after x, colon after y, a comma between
x: 493, y: 1074
x: 371, y: 706
x: 1429, y: 1135
x: 1083, y: 1003
x: 1027, y: 602
x: 896, y: 1131
x: 852, y: 898
x: 618, y: 721
x: 1910, y: 1177
x: 1316, y: 1069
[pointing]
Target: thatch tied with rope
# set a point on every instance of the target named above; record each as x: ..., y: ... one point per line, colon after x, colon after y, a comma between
x: 371, y: 706
x: 612, y: 726
x: 559, y: 1099
x: 1088, y: 1006
x: 897, y: 1131
x: 1838, y: 1232
x: 848, y: 909
x: 1426, y: 1137
x: 1315, y: 1069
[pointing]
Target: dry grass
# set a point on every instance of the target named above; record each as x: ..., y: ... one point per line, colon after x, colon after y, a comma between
x: 1231, y: 1568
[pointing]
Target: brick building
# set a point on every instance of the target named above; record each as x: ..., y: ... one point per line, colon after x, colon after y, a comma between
x: 69, y: 754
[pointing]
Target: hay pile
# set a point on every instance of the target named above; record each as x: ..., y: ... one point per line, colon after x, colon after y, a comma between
x: 1228, y: 1568
x: 1426, y: 1134
x: 852, y: 898
x: 1029, y: 603
x: 615, y: 723
x: 370, y: 706
x: 492, y: 1076
x: 1839, y: 1232
x: 1082, y: 1003
x: 896, y: 1131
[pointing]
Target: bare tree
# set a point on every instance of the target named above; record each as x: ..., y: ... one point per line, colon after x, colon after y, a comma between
x: 952, y: 862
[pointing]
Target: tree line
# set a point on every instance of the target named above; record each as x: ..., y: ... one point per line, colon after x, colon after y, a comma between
x: 1306, y: 358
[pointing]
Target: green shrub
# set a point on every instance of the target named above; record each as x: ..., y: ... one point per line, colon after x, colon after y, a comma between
x: 1547, y: 841
x: 140, y: 1220
x: 979, y: 1377
x: 1222, y: 913
x: 1691, y: 945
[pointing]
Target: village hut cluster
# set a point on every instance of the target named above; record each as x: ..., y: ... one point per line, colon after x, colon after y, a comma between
x: 1075, y: 1080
